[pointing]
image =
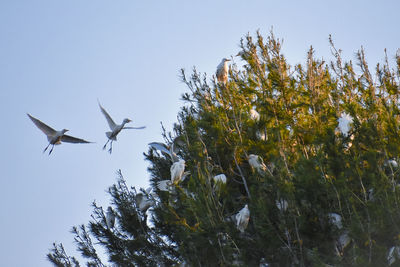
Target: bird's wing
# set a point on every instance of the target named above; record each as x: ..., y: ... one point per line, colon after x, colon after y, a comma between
x: 71, y: 139
x: 110, y: 121
x: 47, y: 130
x: 160, y: 146
x: 142, y: 127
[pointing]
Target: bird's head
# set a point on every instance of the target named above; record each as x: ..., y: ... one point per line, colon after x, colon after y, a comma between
x: 64, y: 131
x: 127, y: 120
x: 225, y: 60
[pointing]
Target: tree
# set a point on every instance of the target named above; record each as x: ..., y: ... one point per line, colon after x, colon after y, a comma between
x: 323, y: 189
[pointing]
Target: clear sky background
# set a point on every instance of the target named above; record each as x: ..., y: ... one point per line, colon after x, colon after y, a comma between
x: 58, y: 57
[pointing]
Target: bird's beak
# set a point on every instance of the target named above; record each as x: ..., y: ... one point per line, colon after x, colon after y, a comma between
x: 129, y: 120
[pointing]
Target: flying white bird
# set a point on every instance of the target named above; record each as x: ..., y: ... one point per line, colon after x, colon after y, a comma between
x: 335, y: 219
x: 143, y: 201
x: 177, y: 170
x: 256, y: 162
x: 170, y: 151
x: 222, y: 71
x: 344, y: 123
x: 242, y: 218
x: 115, y: 128
x: 110, y: 218
x: 220, y: 178
x: 55, y: 137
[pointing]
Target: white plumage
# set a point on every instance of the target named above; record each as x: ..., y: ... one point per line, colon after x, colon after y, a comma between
x: 254, y: 115
x: 222, y: 71
x: 342, y: 243
x: 393, y: 255
x: 164, y: 185
x: 220, y: 178
x: 242, y: 218
x: 143, y: 201
x: 55, y: 137
x: 335, y: 219
x: 169, y: 150
x: 110, y: 218
x: 177, y: 170
x: 115, y: 128
x: 256, y: 162
x: 344, y: 123
x: 282, y: 204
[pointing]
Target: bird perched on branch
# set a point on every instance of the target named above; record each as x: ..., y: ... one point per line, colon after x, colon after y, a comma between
x: 177, y: 170
x: 55, y: 137
x: 222, y: 71
x: 115, y: 128
x: 110, y: 218
x: 242, y: 218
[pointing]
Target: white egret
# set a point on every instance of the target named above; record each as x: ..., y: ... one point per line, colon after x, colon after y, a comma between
x: 115, y: 128
x: 55, y: 137
x: 110, y: 218
x: 335, y: 219
x: 392, y: 163
x: 342, y: 242
x: 254, y: 115
x: 177, y: 170
x: 143, y: 201
x: 222, y: 71
x: 165, y: 149
x: 393, y: 255
x: 242, y: 218
x: 281, y: 204
x: 220, y: 178
x: 164, y: 185
x: 344, y: 123
x: 256, y: 162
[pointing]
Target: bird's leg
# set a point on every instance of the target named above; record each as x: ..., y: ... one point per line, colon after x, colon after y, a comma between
x: 46, y: 148
x: 51, y: 150
x: 104, y: 147
x: 110, y: 150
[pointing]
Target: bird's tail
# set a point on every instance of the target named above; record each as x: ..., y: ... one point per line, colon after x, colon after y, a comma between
x: 109, y: 136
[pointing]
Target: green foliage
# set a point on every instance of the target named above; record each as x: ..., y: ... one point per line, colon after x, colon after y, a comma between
x: 313, y: 170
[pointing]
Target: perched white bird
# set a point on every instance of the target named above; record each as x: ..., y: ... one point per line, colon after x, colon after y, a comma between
x: 220, y: 178
x: 222, y: 71
x: 164, y: 185
x: 256, y: 162
x: 254, y: 115
x: 344, y: 123
x: 143, y: 201
x: 177, y: 170
x: 335, y: 219
x: 393, y: 255
x: 392, y: 163
x: 342, y: 242
x: 115, y: 128
x: 242, y: 218
x: 110, y: 218
x: 165, y: 149
x: 281, y: 204
x: 55, y: 137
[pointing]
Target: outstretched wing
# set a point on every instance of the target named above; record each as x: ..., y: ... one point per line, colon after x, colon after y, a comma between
x: 142, y: 127
x: 47, y: 130
x: 110, y: 121
x: 71, y: 139
x: 160, y: 146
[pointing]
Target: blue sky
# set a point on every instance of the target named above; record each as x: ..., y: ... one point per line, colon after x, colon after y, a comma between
x: 58, y: 57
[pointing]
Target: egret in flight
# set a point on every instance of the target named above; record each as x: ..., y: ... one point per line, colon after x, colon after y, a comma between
x: 55, y: 137
x: 115, y: 128
x: 222, y: 71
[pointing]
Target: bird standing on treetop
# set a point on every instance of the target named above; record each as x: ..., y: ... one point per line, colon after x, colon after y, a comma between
x: 110, y: 218
x: 177, y: 170
x: 115, y: 128
x: 222, y: 71
x: 55, y: 137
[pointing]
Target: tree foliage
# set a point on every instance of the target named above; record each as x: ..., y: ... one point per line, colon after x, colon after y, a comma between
x: 313, y: 171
